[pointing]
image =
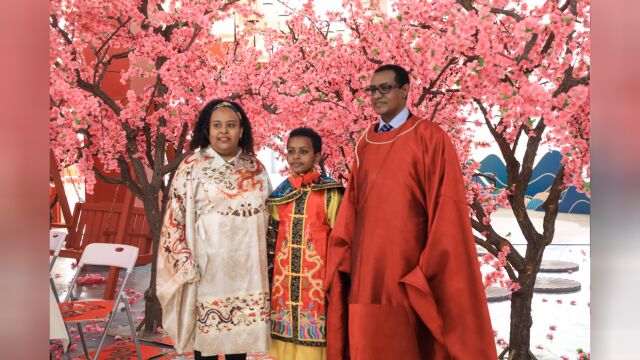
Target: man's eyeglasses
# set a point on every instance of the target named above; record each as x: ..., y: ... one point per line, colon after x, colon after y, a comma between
x: 383, y: 89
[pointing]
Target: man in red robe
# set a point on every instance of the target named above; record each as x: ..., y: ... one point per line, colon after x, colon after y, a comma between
x: 403, y: 280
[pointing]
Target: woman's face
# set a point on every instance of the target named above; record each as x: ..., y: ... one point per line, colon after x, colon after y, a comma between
x: 225, y: 132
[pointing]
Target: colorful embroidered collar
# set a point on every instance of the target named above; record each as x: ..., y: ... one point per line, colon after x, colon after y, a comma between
x: 286, y: 191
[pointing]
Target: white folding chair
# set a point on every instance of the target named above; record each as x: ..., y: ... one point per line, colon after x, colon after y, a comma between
x: 56, y: 241
x: 122, y: 256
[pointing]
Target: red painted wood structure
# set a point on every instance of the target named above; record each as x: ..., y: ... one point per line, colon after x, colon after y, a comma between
x: 103, y: 222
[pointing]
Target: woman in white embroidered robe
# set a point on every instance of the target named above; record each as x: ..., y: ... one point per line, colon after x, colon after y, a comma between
x: 212, y: 272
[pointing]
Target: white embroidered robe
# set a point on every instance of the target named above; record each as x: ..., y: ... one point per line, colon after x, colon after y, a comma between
x: 212, y: 264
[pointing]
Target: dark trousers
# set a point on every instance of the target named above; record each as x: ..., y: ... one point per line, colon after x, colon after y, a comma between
x: 198, y: 356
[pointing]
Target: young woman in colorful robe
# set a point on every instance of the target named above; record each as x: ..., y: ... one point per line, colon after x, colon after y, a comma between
x: 402, y: 269
x: 303, y: 209
x: 212, y: 270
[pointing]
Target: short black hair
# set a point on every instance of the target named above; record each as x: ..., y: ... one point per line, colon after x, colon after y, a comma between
x: 200, y: 137
x: 402, y: 76
x: 316, y: 140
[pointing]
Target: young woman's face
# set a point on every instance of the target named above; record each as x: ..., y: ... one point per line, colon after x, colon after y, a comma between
x: 300, y: 155
x: 225, y: 132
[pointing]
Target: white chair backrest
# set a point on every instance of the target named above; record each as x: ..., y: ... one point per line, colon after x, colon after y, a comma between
x: 123, y: 256
x: 56, y: 240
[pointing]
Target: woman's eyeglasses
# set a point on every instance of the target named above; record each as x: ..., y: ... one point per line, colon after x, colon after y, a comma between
x: 383, y: 89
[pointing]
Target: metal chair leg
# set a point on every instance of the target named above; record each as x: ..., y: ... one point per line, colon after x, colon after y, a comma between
x: 84, y: 343
x: 132, y: 325
x: 53, y: 288
x: 106, y: 328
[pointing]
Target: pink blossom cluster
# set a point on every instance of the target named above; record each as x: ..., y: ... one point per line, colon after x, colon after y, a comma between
x: 91, y: 279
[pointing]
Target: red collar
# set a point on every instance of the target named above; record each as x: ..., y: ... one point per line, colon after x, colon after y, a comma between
x: 299, y: 180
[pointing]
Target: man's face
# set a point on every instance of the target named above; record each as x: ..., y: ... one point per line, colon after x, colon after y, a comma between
x: 300, y: 155
x: 390, y: 104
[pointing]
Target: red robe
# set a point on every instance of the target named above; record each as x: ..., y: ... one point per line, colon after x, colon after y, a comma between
x: 403, y: 279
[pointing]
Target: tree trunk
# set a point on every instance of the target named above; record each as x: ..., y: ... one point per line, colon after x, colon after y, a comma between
x: 152, y: 308
x: 521, y: 320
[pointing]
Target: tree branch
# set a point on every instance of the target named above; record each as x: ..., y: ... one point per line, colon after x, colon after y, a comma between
x: 173, y: 164
x: 126, y: 175
x: 548, y: 43
x: 104, y: 178
x: 497, y: 241
x: 106, y: 41
x: 196, y: 31
x: 466, y: 4
x: 106, y: 64
x: 510, y: 13
x: 84, y: 85
x: 569, y: 82
x: 432, y: 83
x: 503, y: 144
x: 527, y: 48
x: 182, y: 140
x: 493, y: 251
x: 550, y: 207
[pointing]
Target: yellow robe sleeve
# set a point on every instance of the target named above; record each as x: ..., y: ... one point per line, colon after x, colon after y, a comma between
x: 334, y: 196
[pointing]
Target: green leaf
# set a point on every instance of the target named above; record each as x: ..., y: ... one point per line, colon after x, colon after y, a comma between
x: 77, y: 121
x: 508, y: 234
x: 376, y: 52
x: 399, y: 17
x: 566, y: 103
x: 481, y: 61
x: 531, y: 121
x: 284, y: 57
x: 304, y: 91
x: 363, y: 77
x: 321, y: 52
x: 417, y: 49
x: 457, y: 82
x: 259, y: 66
x: 567, y: 20
x: 528, y: 30
x: 505, y: 97
x: 476, y: 71
x: 360, y: 101
x: 436, y: 68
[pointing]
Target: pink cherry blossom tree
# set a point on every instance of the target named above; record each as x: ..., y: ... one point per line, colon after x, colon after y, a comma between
x: 519, y: 72
x: 143, y: 136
